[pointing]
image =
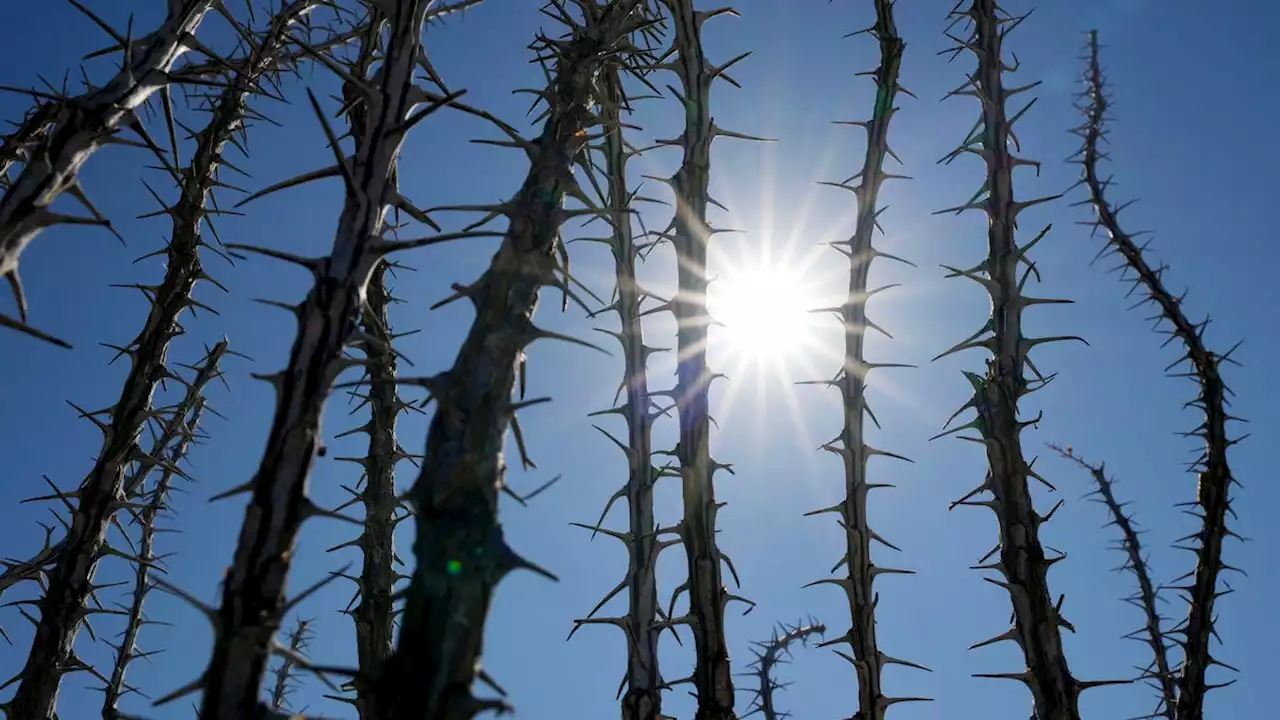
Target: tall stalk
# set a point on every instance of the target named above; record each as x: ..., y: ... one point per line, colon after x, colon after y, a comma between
x: 860, y: 571
x: 1147, y: 596
x: 82, y: 125
x: 1214, y: 472
x: 182, y: 427
x: 253, y: 595
x: 1022, y: 565
x: 643, y: 678
x: 459, y: 544
x: 70, y: 583
x: 373, y: 613
x: 690, y: 234
x: 102, y: 492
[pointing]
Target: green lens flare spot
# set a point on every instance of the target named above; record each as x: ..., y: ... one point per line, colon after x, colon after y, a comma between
x: 453, y: 567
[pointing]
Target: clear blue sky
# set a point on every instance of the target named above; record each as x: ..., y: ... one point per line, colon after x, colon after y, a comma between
x: 1195, y: 96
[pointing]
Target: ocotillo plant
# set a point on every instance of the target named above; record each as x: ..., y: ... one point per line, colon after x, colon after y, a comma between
x: 286, y: 680
x: 183, y: 426
x: 1212, y: 503
x: 459, y: 545
x: 71, y: 577
x: 253, y: 597
x: 860, y: 572
x: 769, y: 655
x: 373, y: 611
x: 1022, y: 564
x: 463, y: 551
x: 83, y: 124
x: 100, y: 495
x: 690, y: 234
x: 1145, y: 599
x: 643, y: 679
x: 178, y: 427
x: 17, y: 147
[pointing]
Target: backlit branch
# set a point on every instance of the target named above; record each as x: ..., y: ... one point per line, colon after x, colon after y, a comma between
x: 373, y: 611
x: 253, y: 595
x: 851, y: 445
x: 769, y: 655
x: 1157, y: 671
x: 81, y: 126
x: 183, y: 426
x: 1022, y: 566
x: 64, y: 607
x: 460, y: 549
x: 643, y: 678
x: 286, y: 679
x: 1212, y: 502
x: 690, y: 234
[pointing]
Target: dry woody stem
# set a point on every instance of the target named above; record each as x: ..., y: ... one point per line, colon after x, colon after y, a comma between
x: 253, y: 598
x: 459, y: 545
x: 102, y: 493
x: 1212, y: 504
x: 286, y: 678
x: 690, y: 234
x: 642, y: 681
x: 81, y: 126
x: 1022, y: 566
x: 374, y: 614
x: 769, y: 655
x: 1146, y: 598
x: 183, y: 427
x: 850, y: 445
x: 64, y: 607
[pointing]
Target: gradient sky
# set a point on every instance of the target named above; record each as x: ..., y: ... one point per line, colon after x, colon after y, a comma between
x: 1194, y: 88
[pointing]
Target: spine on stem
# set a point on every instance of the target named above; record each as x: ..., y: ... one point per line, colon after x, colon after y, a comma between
x: 1212, y: 504
x: 643, y: 678
x: 253, y: 596
x: 860, y: 571
x: 79, y: 126
x: 1021, y: 563
x: 173, y: 443
x: 459, y: 545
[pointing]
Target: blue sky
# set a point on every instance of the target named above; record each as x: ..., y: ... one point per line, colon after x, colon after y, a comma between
x: 1193, y: 96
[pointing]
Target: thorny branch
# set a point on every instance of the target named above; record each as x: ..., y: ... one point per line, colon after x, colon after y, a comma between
x: 373, y: 612
x: 253, y: 597
x: 285, y: 678
x: 1145, y: 599
x: 643, y: 678
x: 459, y: 544
x: 102, y: 492
x: 17, y: 147
x: 1022, y: 565
x: 183, y: 426
x: 64, y: 606
x: 850, y: 445
x: 690, y: 234
x: 1215, y: 478
x: 769, y: 655
x: 81, y: 126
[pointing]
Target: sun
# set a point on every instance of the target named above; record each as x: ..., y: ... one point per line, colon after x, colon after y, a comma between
x: 764, y: 313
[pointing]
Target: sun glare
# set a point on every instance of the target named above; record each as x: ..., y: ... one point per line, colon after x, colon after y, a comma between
x: 765, y: 314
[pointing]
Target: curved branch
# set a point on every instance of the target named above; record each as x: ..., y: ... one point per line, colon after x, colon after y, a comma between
x: 1215, y: 476
x: 1145, y: 599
